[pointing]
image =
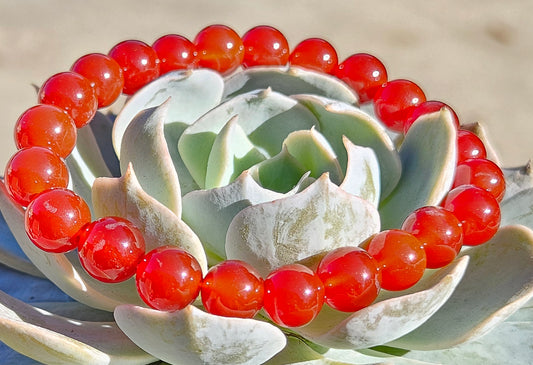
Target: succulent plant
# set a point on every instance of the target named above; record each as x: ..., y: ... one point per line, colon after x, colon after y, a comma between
x: 272, y: 166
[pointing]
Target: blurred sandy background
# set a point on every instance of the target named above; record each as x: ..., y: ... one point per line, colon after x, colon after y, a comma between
x: 475, y: 55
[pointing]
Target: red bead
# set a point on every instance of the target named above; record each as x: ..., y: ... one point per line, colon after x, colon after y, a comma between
x: 219, y: 48
x: 72, y: 93
x: 139, y: 64
x: 293, y: 296
x: 110, y: 249
x: 53, y: 219
x: 469, y: 146
x: 400, y: 256
x: 351, y: 278
x: 232, y: 289
x: 46, y: 126
x: 427, y: 107
x: 396, y: 101
x: 315, y: 54
x: 265, y: 46
x: 440, y: 233
x: 364, y: 73
x: 168, y: 278
x: 33, y: 170
x: 175, y: 52
x: 105, y: 76
x: 482, y: 173
x: 477, y: 210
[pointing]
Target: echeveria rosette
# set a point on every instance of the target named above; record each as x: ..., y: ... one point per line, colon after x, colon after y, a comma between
x: 272, y: 166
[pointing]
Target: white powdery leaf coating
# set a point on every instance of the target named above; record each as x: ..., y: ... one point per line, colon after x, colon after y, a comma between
x: 191, y: 336
x: 320, y: 218
x: 497, y: 283
x: 145, y: 147
x: 388, y: 319
x: 124, y: 197
x: 429, y: 157
x: 362, y: 173
x: 65, y: 270
x: 210, y: 212
x: 183, y: 87
x: 54, y: 339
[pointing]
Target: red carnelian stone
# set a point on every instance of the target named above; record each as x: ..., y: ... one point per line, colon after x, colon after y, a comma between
x: 315, y: 54
x: 400, y: 256
x: 469, y: 146
x: 219, y: 48
x: 232, y: 288
x: 427, y: 107
x: 477, y: 210
x: 110, y: 249
x: 175, y: 52
x: 168, y: 278
x: 73, y: 93
x: 105, y: 76
x: 139, y: 64
x: 265, y: 46
x: 46, y: 126
x: 351, y: 278
x: 54, y: 218
x: 396, y: 101
x: 440, y: 233
x: 482, y: 173
x: 33, y: 170
x: 294, y: 295
x: 364, y: 73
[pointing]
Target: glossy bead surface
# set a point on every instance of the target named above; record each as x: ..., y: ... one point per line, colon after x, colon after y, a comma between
x: 73, y: 93
x: 427, y: 107
x: 315, y: 54
x: 400, y: 256
x: 105, y: 76
x: 364, y: 73
x: 168, y: 278
x: 440, y: 233
x: 175, y: 52
x: 351, y: 278
x: 139, y: 64
x: 219, y: 48
x: 469, y: 146
x: 477, y: 210
x: 395, y: 101
x: 110, y: 249
x: 482, y: 173
x: 46, y: 126
x: 232, y: 289
x: 53, y: 219
x: 293, y: 295
x: 33, y: 170
x: 265, y: 46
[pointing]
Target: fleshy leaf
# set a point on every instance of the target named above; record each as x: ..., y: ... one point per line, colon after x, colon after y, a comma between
x: 210, y: 212
x: 518, y: 209
x: 288, y: 81
x: 314, y: 152
x: 183, y: 87
x: 362, y: 173
x: 517, y: 179
x: 388, y: 319
x: 496, y: 284
x: 429, y: 157
x: 266, y: 117
x: 144, y: 146
x: 231, y: 154
x: 124, y: 197
x: 53, y: 339
x: 339, y: 120
x: 318, y: 219
x: 65, y: 270
x: 191, y: 336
